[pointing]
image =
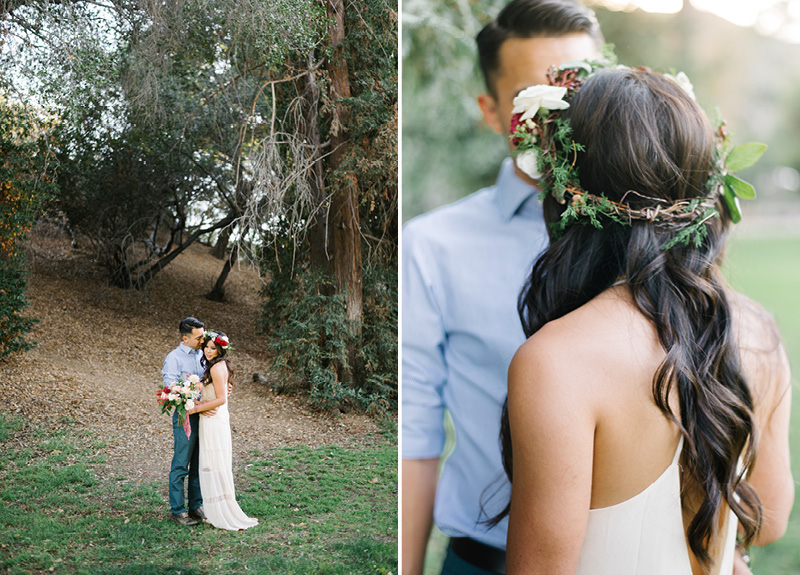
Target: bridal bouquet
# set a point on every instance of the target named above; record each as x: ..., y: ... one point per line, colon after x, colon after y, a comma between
x: 180, y: 395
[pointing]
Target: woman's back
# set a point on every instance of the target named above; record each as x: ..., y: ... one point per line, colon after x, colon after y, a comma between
x: 590, y: 381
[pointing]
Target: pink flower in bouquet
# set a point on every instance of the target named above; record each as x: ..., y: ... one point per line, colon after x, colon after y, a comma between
x: 180, y: 395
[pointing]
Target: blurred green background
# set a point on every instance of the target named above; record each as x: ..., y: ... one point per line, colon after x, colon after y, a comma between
x: 741, y: 56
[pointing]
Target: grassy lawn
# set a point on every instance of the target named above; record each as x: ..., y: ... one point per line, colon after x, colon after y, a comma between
x: 768, y: 270
x: 331, y: 510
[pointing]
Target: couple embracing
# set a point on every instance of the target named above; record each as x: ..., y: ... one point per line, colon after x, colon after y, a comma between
x: 203, y: 450
x: 642, y: 405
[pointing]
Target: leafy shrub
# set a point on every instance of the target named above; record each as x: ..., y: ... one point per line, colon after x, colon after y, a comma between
x: 311, y: 335
x: 13, y: 326
x: 25, y: 184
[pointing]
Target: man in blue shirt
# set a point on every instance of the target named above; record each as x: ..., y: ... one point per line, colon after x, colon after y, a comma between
x: 463, y: 268
x: 185, y: 360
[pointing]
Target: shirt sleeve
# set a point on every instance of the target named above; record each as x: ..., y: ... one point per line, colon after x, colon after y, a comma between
x: 171, y: 370
x: 424, y: 372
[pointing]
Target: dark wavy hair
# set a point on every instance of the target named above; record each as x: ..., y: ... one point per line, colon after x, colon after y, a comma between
x: 642, y: 132
x: 221, y: 356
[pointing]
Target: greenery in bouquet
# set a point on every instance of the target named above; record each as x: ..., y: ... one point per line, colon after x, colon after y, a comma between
x: 180, y: 395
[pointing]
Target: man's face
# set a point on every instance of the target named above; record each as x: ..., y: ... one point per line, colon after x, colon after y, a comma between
x: 195, y: 340
x: 524, y: 62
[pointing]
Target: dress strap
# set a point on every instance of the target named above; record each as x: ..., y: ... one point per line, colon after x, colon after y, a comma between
x: 678, y: 451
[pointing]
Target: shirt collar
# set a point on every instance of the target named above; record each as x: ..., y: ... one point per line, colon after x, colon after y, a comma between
x: 513, y: 192
x: 186, y: 349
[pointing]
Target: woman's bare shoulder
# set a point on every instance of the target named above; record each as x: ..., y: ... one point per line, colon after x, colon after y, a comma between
x: 219, y: 368
x: 570, y: 354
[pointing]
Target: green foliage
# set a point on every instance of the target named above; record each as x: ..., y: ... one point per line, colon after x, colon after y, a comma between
x: 25, y: 184
x: 339, y: 363
x: 744, y: 156
x: 377, y: 352
x: 725, y: 161
x: 311, y: 336
x: 694, y: 233
x: 13, y: 325
x: 447, y: 151
x: 163, y: 115
x: 372, y: 152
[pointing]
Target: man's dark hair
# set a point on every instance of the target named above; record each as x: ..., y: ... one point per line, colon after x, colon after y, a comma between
x: 532, y: 19
x: 189, y: 324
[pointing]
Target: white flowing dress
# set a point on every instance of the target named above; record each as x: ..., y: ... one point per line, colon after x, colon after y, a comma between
x: 644, y: 535
x: 216, y: 469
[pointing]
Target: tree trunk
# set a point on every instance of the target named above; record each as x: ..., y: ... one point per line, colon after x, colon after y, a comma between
x: 218, y: 292
x: 344, y: 234
x: 318, y: 229
x: 220, y: 249
x: 147, y: 275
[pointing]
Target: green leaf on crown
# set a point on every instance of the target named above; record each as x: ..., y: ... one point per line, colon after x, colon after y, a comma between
x: 578, y: 64
x: 742, y: 189
x: 744, y: 156
x: 732, y: 203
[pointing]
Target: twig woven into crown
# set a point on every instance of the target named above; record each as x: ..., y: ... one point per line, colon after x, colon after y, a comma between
x: 547, y: 153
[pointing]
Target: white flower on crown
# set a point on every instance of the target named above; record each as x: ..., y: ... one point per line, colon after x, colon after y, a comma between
x: 528, y: 163
x: 531, y: 99
x: 682, y: 80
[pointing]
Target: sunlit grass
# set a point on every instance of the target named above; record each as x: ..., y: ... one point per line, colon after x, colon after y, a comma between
x: 330, y: 510
x: 768, y: 270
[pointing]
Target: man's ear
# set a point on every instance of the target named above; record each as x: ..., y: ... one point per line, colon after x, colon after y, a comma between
x: 491, y: 116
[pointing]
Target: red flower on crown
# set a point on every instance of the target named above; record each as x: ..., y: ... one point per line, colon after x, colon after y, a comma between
x: 218, y: 341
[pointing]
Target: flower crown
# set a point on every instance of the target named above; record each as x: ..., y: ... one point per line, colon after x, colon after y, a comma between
x: 547, y: 153
x: 218, y: 339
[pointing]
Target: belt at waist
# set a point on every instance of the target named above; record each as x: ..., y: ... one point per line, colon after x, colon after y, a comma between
x: 480, y: 555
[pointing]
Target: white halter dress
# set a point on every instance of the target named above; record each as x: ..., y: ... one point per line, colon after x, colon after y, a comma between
x: 216, y: 469
x: 644, y: 535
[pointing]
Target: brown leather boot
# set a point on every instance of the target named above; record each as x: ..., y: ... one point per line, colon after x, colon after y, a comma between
x: 197, y: 514
x: 183, y: 519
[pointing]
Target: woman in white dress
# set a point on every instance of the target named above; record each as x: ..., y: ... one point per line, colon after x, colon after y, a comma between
x: 214, y: 441
x: 647, y: 387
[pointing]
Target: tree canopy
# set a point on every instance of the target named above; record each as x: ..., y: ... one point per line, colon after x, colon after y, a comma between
x: 266, y: 127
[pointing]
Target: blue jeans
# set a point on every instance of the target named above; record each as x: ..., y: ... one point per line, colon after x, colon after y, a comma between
x: 184, y: 462
x: 455, y: 565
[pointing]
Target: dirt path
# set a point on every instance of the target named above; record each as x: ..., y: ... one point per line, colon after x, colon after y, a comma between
x: 101, y: 350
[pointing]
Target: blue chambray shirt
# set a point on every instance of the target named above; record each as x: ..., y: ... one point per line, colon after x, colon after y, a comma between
x: 464, y: 266
x: 183, y: 360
